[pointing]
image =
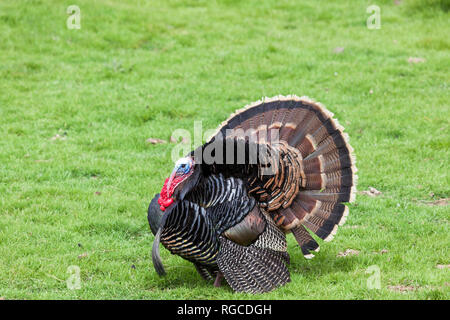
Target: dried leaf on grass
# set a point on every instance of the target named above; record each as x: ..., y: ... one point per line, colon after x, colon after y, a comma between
x: 155, y: 141
x: 438, y: 202
x: 401, y: 288
x: 348, y: 252
x: 58, y: 137
x: 416, y: 60
x: 372, y: 192
x: 83, y: 255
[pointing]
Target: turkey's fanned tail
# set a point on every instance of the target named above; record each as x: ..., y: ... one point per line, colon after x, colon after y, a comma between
x: 312, y: 140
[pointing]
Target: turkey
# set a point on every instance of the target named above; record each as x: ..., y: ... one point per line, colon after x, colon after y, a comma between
x: 278, y: 166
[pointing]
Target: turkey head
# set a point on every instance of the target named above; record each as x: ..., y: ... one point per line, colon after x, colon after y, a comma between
x: 183, y: 178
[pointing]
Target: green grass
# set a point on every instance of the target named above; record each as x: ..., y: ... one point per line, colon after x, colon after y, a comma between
x: 141, y: 69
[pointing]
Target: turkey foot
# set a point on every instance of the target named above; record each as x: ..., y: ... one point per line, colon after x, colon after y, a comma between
x: 218, y: 280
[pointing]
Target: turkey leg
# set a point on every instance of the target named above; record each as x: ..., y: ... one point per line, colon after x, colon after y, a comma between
x: 218, y: 280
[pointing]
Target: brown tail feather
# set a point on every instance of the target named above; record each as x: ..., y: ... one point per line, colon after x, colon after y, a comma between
x: 326, y: 163
x: 305, y: 241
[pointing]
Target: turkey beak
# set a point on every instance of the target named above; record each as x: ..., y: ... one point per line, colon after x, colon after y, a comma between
x: 169, y: 183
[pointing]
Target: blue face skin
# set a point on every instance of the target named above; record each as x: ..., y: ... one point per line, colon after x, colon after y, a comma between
x: 183, y: 166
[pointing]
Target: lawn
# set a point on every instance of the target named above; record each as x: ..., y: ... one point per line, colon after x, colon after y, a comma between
x: 77, y: 107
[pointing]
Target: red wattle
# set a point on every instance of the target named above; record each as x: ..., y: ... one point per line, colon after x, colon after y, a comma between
x: 165, y: 199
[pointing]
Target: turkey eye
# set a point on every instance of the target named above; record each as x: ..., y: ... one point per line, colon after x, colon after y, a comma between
x: 184, y: 168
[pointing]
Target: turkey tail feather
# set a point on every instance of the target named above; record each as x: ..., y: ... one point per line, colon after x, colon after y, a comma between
x: 317, y: 173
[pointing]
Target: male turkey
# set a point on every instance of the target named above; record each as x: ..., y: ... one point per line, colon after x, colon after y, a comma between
x: 276, y: 166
